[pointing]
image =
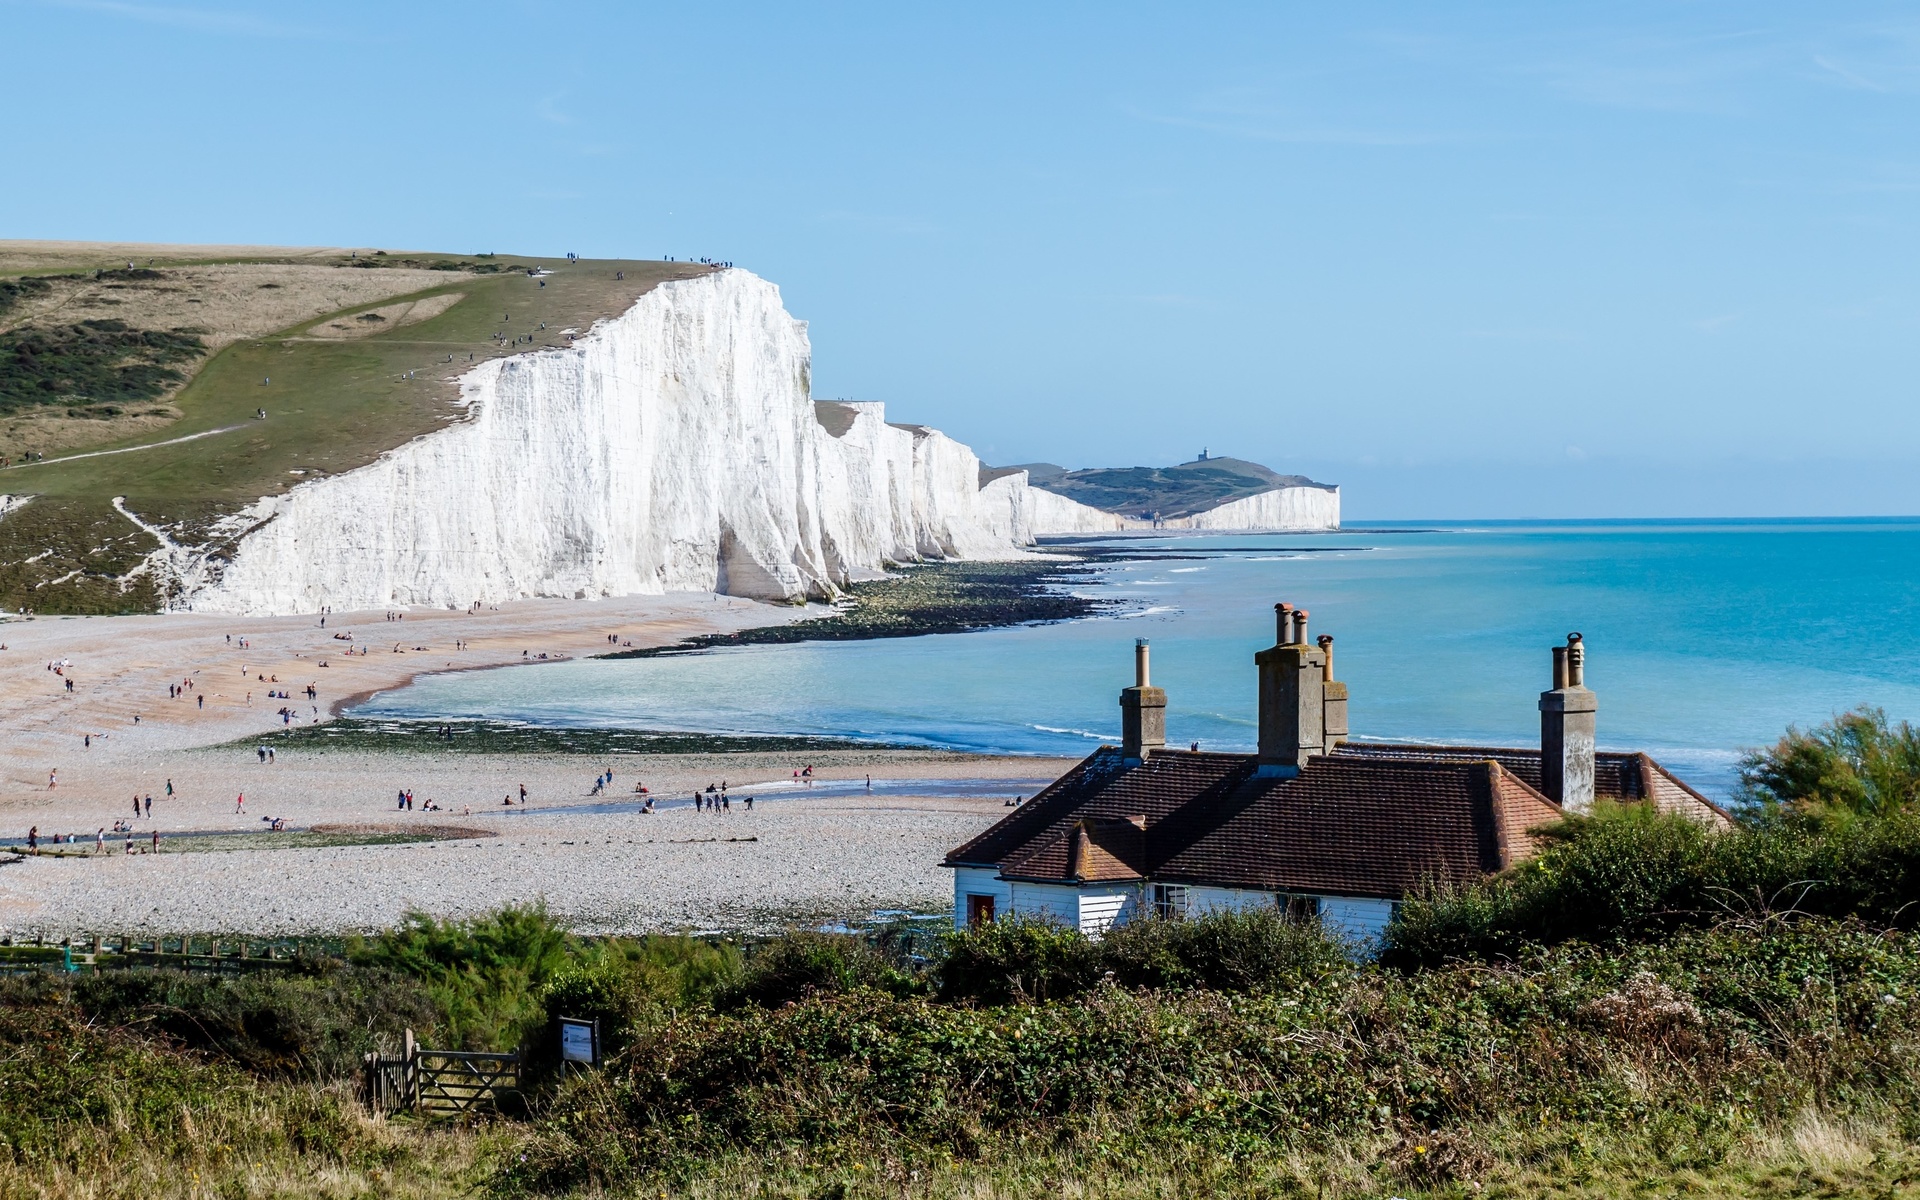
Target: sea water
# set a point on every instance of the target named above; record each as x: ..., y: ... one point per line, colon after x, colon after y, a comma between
x: 1704, y: 639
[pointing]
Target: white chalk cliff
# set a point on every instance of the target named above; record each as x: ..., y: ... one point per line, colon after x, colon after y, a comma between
x: 674, y: 448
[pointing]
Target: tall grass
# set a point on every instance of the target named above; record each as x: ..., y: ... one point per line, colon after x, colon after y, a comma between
x: 1696, y: 1045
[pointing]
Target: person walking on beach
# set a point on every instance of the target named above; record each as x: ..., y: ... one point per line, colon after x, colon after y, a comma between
x: 149, y: 805
x: 136, y: 806
x: 100, y: 840
x: 523, y: 793
x: 240, y: 804
x: 156, y: 841
x: 169, y: 787
x: 33, y: 838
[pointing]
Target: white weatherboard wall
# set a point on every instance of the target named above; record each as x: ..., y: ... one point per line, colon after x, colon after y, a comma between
x: 979, y: 881
x: 1095, y: 908
x: 675, y: 448
x: 1091, y: 908
x: 1356, y: 918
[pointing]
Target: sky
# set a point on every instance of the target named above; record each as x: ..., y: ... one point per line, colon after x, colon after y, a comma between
x: 1466, y: 260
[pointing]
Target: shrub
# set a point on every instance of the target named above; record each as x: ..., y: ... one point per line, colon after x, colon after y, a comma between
x: 1018, y: 959
x: 101, y: 361
x: 1699, y: 1041
x: 1856, y: 764
x: 484, y: 974
x: 1633, y: 874
x: 1221, y: 950
x: 804, y: 964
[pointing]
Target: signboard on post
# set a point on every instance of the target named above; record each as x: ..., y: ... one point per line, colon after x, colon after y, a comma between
x: 579, y: 1041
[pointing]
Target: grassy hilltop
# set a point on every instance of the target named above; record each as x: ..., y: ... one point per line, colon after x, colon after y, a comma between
x: 1178, y: 491
x: 137, y: 372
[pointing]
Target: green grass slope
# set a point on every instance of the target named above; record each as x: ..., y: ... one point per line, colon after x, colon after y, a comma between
x: 334, y: 402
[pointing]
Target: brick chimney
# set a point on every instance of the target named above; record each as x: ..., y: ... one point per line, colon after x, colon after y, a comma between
x: 1143, y: 712
x: 1333, y: 700
x: 1292, y: 696
x: 1567, y: 730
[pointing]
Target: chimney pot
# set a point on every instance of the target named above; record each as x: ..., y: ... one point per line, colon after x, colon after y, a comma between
x: 1292, y: 694
x: 1283, y: 612
x: 1325, y: 642
x: 1143, y: 712
x: 1567, y: 728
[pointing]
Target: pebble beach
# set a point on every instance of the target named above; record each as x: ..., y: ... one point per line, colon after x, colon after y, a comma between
x: 825, y: 852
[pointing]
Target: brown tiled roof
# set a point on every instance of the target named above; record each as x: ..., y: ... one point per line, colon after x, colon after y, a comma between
x: 1100, y: 787
x: 1354, y: 826
x: 1628, y: 778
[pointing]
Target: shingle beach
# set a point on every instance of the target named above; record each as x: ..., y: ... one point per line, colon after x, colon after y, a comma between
x: 825, y: 853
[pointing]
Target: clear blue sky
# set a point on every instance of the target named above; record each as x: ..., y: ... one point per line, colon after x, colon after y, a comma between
x: 1467, y: 260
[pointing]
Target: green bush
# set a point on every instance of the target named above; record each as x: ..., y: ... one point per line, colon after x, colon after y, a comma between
x: 1631, y: 874
x: 1856, y: 764
x: 1000, y: 962
x: 1694, y: 1043
x: 484, y: 974
x: 307, y: 1026
x: 804, y: 964
x: 1222, y: 951
x: 74, y: 1090
x: 99, y: 361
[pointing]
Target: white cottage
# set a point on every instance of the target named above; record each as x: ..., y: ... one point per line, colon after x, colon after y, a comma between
x: 1312, y: 822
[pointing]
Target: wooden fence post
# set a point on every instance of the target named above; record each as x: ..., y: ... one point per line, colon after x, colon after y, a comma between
x: 411, y: 1071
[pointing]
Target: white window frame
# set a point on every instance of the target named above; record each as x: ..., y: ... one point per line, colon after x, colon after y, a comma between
x: 1172, y: 901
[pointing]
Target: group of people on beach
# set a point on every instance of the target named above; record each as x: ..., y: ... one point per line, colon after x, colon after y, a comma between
x: 99, y: 839
x: 715, y: 799
x: 405, y: 803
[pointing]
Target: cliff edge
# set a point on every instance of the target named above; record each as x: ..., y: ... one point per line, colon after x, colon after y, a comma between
x: 674, y: 448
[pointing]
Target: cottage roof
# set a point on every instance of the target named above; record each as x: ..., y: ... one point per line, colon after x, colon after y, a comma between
x: 1353, y: 826
x: 1623, y: 777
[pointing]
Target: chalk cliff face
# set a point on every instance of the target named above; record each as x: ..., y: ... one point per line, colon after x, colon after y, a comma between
x: 1287, y: 508
x: 675, y: 448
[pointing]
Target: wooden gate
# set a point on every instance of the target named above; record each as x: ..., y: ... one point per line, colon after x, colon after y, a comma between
x: 439, y: 1083
x: 450, y: 1083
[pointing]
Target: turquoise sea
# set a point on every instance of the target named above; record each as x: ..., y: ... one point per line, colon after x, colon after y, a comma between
x: 1704, y: 638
